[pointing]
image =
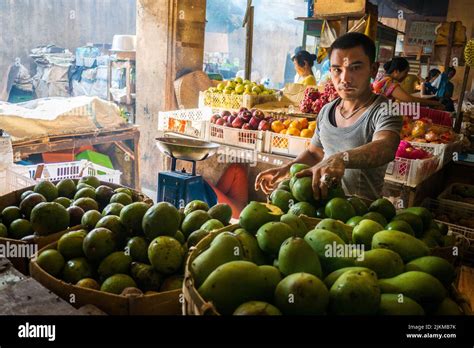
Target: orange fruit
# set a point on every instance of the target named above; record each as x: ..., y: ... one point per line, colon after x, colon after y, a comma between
x: 287, y: 123
x: 296, y: 124
x: 304, y: 123
x: 293, y: 131
x: 277, y: 126
x: 283, y: 131
x: 307, y: 133
x: 312, y: 127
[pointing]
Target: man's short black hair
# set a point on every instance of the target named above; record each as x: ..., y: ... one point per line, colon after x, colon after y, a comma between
x: 351, y: 40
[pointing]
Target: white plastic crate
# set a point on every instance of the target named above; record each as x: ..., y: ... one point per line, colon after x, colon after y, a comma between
x: 191, y: 122
x: 247, y: 139
x: 6, y: 152
x: 444, y: 151
x: 283, y: 144
x: 411, y: 172
x: 14, y: 178
x: 73, y: 170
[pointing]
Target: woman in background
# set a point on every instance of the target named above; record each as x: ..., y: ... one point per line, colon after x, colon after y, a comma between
x: 396, y: 71
x: 304, y: 62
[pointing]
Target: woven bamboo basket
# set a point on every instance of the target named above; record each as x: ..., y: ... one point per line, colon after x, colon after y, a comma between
x: 164, y: 303
x: 193, y: 303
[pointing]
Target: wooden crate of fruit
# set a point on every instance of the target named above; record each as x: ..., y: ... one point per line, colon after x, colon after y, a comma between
x: 12, y: 210
x: 132, y: 303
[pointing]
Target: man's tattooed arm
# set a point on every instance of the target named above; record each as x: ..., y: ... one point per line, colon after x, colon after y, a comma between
x: 380, y: 151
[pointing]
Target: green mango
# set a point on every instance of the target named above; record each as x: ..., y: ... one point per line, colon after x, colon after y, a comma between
x: 359, y: 205
x: 413, y: 220
x: 256, y: 214
x: 271, y: 277
x: 423, y: 213
x: 297, y: 256
x: 422, y: 287
x: 295, y: 223
x: 250, y: 247
x: 364, y: 232
x: 271, y: 235
x: 224, y: 248
x: 434, y: 265
x: 435, y: 234
x: 211, y: 225
x: 332, y: 277
x: 384, y: 262
x: 232, y: 284
x: 146, y: 277
x: 256, y: 308
x: 408, y: 247
x: 353, y: 221
x: 384, y: 207
x: 355, y: 293
x: 301, y: 294
x: 397, y: 304
x: 116, y: 263
x: 400, y: 225
x: 328, y: 246
x: 448, y: 307
x: 337, y: 227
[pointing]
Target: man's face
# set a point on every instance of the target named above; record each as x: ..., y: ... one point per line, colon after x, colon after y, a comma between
x: 351, y: 71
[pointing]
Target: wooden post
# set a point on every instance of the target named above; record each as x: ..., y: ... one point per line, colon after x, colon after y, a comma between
x: 249, y: 44
x: 447, y: 61
x: 459, y: 114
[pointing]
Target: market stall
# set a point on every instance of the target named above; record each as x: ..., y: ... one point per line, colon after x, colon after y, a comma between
x: 375, y: 221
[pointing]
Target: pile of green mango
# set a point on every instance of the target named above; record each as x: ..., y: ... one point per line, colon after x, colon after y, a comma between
x: 378, y: 263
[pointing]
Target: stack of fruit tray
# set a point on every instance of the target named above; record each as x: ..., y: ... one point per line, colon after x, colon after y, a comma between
x: 190, y: 122
x: 411, y: 172
x: 233, y: 101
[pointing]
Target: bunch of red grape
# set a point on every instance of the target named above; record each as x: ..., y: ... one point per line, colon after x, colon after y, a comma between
x: 314, y: 101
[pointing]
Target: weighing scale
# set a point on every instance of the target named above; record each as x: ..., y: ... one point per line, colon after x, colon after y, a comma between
x: 179, y: 187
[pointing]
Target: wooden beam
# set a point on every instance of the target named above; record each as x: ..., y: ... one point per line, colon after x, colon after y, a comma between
x: 447, y: 61
x: 125, y: 149
x: 459, y: 114
x: 249, y: 44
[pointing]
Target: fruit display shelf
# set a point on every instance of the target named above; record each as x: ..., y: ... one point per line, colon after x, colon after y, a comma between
x: 163, y: 303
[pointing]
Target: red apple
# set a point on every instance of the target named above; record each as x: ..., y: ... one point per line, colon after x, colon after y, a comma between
x: 215, y: 117
x: 238, y: 122
x: 220, y: 121
x: 254, y: 122
x: 247, y: 126
x: 231, y: 118
x: 246, y: 115
x: 225, y: 113
x: 264, y: 125
x: 228, y: 124
x: 226, y: 118
x: 243, y: 109
x: 259, y: 114
x: 235, y: 113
